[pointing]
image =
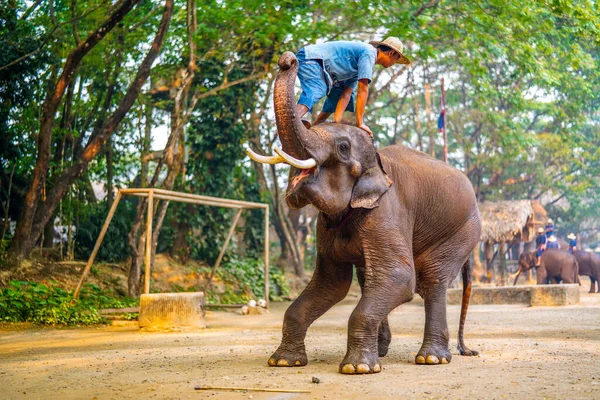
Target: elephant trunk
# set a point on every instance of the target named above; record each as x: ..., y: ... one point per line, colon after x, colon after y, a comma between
x: 295, y: 138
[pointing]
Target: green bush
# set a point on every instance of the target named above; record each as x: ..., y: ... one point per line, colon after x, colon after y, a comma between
x: 245, y: 279
x: 52, y: 305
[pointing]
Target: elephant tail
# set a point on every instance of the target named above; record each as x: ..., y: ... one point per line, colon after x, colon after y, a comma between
x: 577, y: 273
x: 467, y: 278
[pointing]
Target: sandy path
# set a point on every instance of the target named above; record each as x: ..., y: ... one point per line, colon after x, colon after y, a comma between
x: 526, y: 353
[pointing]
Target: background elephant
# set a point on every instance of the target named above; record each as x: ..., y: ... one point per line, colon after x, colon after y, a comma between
x: 406, y: 221
x: 555, y: 266
x: 589, y: 265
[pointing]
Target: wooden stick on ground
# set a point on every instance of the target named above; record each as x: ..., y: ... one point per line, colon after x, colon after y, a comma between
x: 251, y: 389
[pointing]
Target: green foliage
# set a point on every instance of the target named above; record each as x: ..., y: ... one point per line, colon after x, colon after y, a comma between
x: 522, y: 90
x: 115, y: 244
x: 52, y: 305
x: 244, y: 279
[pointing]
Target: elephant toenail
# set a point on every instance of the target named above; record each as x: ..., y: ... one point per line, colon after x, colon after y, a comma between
x: 377, y: 368
x: 432, y: 360
x: 444, y: 361
x: 297, y: 362
x: 283, y: 363
x: 420, y: 360
x: 362, y: 369
x: 348, y: 369
x: 272, y: 362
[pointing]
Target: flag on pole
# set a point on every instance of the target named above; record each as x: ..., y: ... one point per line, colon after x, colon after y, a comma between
x: 441, y: 122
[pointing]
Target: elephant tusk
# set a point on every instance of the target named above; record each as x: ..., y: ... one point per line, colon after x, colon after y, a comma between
x: 301, y: 164
x: 264, y: 159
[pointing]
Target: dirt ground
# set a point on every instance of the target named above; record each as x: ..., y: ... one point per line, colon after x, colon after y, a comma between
x: 526, y: 353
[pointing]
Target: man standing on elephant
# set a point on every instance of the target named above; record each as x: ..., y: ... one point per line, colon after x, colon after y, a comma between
x: 540, y: 242
x: 338, y: 69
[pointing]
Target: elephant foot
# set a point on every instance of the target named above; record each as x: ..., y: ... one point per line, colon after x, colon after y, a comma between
x: 360, y: 364
x: 465, y: 351
x: 383, y: 340
x: 433, y: 355
x: 284, y: 357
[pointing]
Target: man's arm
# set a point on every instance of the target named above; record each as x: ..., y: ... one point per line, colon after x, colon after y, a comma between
x: 361, y: 101
x: 342, y: 104
x: 322, y: 117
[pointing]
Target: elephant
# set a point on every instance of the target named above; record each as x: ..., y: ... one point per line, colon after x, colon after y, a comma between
x: 589, y: 264
x: 406, y: 221
x: 555, y: 265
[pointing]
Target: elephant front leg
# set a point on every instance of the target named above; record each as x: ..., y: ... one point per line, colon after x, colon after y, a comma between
x: 368, y: 330
x: 436, y: 337
x: 384, y: 335
x: 329, y: 285
x: 593, y: 285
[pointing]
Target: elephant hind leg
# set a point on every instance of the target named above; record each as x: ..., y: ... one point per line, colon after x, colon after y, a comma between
x: 437, y: 268
x: 467, y: 282
x: 593, y: 285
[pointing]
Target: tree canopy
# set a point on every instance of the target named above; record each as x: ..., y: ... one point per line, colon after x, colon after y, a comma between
x: 85, y: 86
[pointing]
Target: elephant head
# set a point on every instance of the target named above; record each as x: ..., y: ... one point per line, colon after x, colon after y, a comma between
x: 527, y: 261
x: 335, y: 165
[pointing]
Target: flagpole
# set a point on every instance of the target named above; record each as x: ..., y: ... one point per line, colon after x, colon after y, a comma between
x: 445, y: 137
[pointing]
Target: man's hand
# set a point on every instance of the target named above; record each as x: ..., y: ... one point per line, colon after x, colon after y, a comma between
x: 366, y: 129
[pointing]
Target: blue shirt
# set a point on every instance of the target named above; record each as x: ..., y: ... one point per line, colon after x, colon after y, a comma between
x: 541, y: 239
x: 345, y: 61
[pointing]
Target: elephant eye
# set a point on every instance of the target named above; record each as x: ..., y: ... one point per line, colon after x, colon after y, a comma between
x: 344, y: 148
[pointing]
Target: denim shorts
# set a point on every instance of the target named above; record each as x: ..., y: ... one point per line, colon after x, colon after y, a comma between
x: 315, y: 85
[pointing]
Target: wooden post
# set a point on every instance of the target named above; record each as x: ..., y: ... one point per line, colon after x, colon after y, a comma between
x: 267, y: 255
x: 88, y: 266
x: 149, y: 241
x: 224, y: 247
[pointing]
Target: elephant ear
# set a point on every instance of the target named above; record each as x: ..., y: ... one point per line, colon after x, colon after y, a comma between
x: 371, y: 185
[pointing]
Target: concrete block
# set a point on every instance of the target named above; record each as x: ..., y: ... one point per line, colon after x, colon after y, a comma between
x: 172, y: 310
x: 554, y: 295
x: 532, y: 295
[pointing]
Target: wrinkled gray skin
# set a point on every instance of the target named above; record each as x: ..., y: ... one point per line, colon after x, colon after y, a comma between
x: 414, y: 236
x: 555, y: 266
x: 589, y: 265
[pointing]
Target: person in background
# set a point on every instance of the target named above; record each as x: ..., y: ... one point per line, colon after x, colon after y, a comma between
x: 552, y: 243
x: 549, y: 228
x: 540, y: 243
x: 572, y: 243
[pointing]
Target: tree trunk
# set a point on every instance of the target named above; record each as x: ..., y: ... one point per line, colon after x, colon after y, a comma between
x: 23, y: 241
x: 49, y: 235
x: 478, y: 270
x: 109, y: 173
x: 501, y: 276
x: 70, y: 175
x: 489, y: 256
x: 181, y: 248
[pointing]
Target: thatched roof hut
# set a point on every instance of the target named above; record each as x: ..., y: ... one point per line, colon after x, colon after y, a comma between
x: 503, y: 221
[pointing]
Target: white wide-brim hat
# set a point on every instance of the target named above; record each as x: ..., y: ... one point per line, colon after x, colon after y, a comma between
x: 552, y: 239
x: 540, y: 230
x: 395, y: 44
x: 571, y: 236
